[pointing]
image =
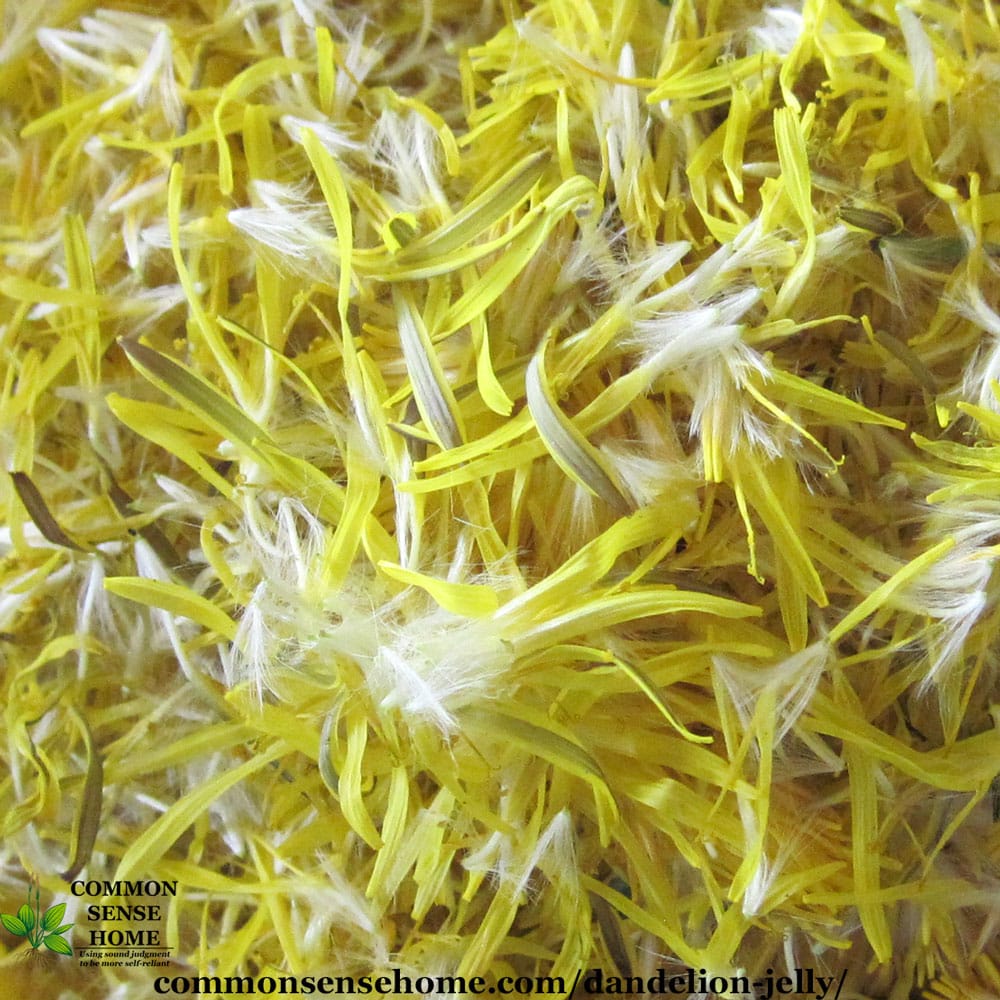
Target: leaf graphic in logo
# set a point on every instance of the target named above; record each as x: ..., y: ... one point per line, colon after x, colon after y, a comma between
x: 58, y: 944
x: 27, y: 916
x: 52, y: 916
x: 13, y: 924
x: 39, y: 928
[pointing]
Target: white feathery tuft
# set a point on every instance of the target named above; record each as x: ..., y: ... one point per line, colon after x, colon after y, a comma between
x: 675, y: 340
x: 287, y: 222
x: 778, y: 30
x: 431, y: 665
x: 406, y: 146
x: 155, y: 72
x: 333, y: 139
x: 983, y: 370
x: 921, y: 55
x: 955, y: 591
x: 792, y: 682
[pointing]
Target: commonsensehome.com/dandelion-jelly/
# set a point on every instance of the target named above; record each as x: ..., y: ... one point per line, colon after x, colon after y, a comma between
x: 501, y: 491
